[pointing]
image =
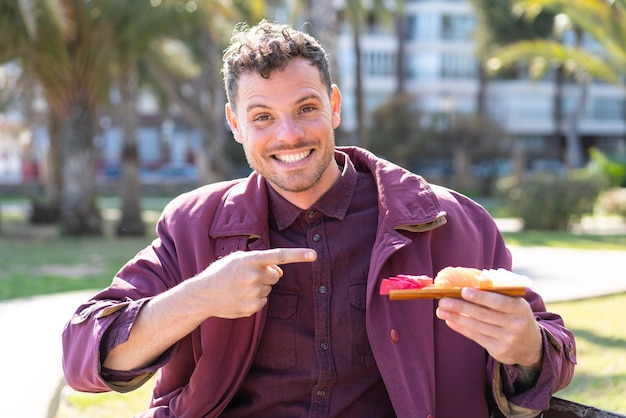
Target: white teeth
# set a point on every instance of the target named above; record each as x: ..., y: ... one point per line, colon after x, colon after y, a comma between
x: 292, y: 158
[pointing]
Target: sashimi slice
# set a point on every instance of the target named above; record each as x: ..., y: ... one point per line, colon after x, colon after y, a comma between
x: 482, y: 279
x: 461, y: 277
x: 404, y: 281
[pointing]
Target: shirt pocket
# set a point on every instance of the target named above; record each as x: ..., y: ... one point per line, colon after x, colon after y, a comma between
x: 362, y: 350
x: 277, y: 348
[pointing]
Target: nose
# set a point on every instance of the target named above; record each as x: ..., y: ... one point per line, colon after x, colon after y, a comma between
x: 289, y: 130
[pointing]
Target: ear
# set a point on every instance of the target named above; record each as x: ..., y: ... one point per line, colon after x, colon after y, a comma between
x: 233, y: 122
x: 335, y: 105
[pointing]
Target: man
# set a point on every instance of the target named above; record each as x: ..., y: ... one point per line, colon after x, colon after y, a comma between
x: 259, y: 297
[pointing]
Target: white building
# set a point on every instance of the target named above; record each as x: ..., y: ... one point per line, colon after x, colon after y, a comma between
x: 441, y: 70
x: 442, y: 73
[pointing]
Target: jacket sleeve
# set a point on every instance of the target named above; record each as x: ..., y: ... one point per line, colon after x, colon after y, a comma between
x: 559, y: 348
x: 105, y: 321
x: 557, y: 369
x: 84, y: 338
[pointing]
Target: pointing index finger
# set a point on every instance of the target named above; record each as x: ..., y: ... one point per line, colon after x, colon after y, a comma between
x: 288, y: 255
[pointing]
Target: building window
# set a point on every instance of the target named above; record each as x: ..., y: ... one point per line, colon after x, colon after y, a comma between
x: 457, y: 27
x: 454, y: 66
x: 531, y: 143
x: 423, y: 66
x: 423, y: 27
x: 608, y: 109
x: 379, y: 63
x: 611, y: 144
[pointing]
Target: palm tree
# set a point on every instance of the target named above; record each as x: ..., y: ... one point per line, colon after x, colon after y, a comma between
x: 139, y: 29
x: 325, y: 22
x: 19, y: 31
x: 77, y: 50
x: 357, y: 14
x: 192, y: 79
x: 62, y: 43
x: 399, y: 21
x: 498, y: 26
x: 604, y: 21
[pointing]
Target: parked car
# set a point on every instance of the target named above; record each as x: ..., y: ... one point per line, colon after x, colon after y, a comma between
x: 433, y: 168
x: 494, y: 168
x: 547, y: 165
x: 170, y: 173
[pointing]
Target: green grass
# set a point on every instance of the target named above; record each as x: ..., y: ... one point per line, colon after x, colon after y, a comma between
x: 564, y: 239
x: 600, y: 377
x: 599, y: 380
x: 104, y: 405
x: 50, y: 265
x: 36, y: 260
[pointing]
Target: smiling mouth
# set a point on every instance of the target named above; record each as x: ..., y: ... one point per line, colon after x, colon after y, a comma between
x: 292, y: 158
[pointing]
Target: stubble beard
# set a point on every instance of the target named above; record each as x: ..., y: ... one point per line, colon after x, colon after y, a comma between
x: 295, y: 182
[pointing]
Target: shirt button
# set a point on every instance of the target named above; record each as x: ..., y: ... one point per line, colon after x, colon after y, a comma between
x: 321, y: 393
x: 324, y: 346
x: 316, y: 237
x: 394, y: 335
x: 310, y: 214
x: 322, y: 289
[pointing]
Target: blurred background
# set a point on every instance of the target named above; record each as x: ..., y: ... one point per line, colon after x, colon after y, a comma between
x: 491, y: 97
x: 109, y: 108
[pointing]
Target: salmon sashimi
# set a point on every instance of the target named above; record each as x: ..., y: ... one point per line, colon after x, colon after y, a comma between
x: 462, y: 277
x: 482, y: 279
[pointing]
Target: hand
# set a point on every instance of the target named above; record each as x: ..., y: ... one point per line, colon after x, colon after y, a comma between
x: 505, y: 326
x: 238, y: 285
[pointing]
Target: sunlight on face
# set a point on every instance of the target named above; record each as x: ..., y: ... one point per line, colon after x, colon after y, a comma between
x: 286, y: 126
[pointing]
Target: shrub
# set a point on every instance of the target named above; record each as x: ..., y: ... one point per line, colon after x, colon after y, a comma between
x: 547, y: 201
x: 613, y: 167
x: 613, y: 202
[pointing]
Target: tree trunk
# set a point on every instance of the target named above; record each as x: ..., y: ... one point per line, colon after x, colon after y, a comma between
x: 130, y: 223
x: 624, y: 112
x: 79, y: 211
x: 217, y: 166
x: 481, y: 92
x: 574, y: 154
x: 557, y: 105
x: 358, y: 87
x: 324, y: 23
x: 54, y: 174
x: 399, y: 20
x: 49, y: 210
x: 325, y: 26
x: 461, y: 163
x: 204, y: 109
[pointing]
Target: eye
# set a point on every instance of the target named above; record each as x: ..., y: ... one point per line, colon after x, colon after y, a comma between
x: 262, y: 117
x: 307, y: 109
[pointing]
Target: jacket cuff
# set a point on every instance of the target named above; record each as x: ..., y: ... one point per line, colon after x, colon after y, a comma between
x: 537, y: 397
x: 118, y: 333
x: 506, y: 406
x: 127, y: 381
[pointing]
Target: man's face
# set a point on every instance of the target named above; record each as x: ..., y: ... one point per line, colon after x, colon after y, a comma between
x: 286, y: 126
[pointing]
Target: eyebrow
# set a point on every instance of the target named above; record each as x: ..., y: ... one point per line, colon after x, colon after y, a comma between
x: 300, y: 100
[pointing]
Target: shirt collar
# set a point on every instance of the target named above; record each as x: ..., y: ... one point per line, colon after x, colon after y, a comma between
x: 334, y: 203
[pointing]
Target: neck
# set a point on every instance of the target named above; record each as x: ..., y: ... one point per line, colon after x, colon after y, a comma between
x: 307, y: 198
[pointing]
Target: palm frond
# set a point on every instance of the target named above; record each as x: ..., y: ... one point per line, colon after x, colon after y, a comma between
x: 540, y: 54
x: 602, y: 20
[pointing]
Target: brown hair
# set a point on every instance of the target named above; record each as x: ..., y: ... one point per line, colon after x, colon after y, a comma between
x: 267, y: 47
